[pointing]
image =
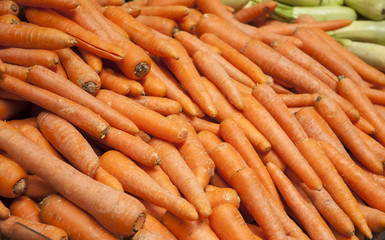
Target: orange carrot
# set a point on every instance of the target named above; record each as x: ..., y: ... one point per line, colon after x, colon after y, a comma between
x: 104, y: 177
x: 257, y: 231
x: 187, y: 3
x: 117, y: 211
x: 153, y: 86
x: 10, y: 108
x: 24, y: 36
x: 152, y: 224
x: 189, y: 22
x: 136, y: 3
x: 94, y: 61
x: 37, y: 187
x: 46, y: 58
x: 25, y: 207
x: 61, y: 4
x: 4, y: 211
x: 374, y: 217
x: 200, y: 124
x: 15, y: 227
x: 13, y: 178
x: 164, y: 106
x: 104, y: 3
x: 372, y: 144
x: 60, y: 70
x: 345, y: 130
x: 114, y: 81
x: 228, y: 223
x: 3, y: 67
x: 137, y: 182
x: 58, y: 211
x: 44, y: 78
x: 188, y: 230
x: 218, y: 181
x: 272, y: 156
x: 182, y: 176
x: 365, y: 126
x: 298, y: 100
x: 280, y: 89
x: 9, y: 19
x: 248, y: 14
x: 376, y: 96
x: 9, y: 7
x: 148, y: 234
x: 163, y: 25
x: 174, y: 12
x: 218, y: 195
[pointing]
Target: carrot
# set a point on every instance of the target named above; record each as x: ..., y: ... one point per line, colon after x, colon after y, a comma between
x: 152, y: 224
x: 209, y: 67
x: 228, y: 223
x: 193, y: 152
x: 9, y: 96
x: 234, y: 57
x: 163, y: 25
x: 185, y: 71
x: 9, y: 7
x: 189, y: 22
x: 218, y: 181
x: 164, y: 106
x: 20, y: 228
x: 61, y: 4
x: 299, y: 57
x: 272, y: 156
x: 104, y: 3
x: 13, y: 178
x: 226, y: 110
x: 218, y: 196
x: 4, y: 211
x: 104, y: 177
x: 193, y: 44
x: 34, y: 134
x: 374, y: 217
x: 232, y: 134
x: 200, y: 124
x: 333, y: 182
x: 298, y: 100
x: 37, y: 188
x: 10, y: 108
x: 187, y: 3
x: 365, y: 126
x: 257, y: 231
x: 60, y: 70
x: 280, y: 89
x: 174, y: 12
x: 188, y: 230
x: 9, y: 19
x: 356, y: 178
x: 3, y: 67
x: 182, y: 176
x: 94, y: 61
x: 248, y: 14
x: 118, y: 212
x: 345, y: 130
x: 153, y: 86
x: 376, y: 96
x: 153, y: 209
x: 137, y: 182
x: 58, y: 211
x: 372, y: 144
x: 114, y: 81
x: 352, y: 93
x: 25, y: 207
x: 24, y: 36
x: 47, y: 79
x: 46, y: 58
x: 146, y: 119
x: 136, y: 3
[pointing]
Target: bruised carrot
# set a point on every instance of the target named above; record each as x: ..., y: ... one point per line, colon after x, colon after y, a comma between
x: 189, y: 22
x: 152, y: 224
x: 248, y: 14
x: 118, y: 212
x: 44, y: 78
x: 94, y: 61
x: 58, y: 211
x: 153, y: 86
x: 24, y: 36
x: 163, y: 25
x: 14, y: 178
x: 4, y: 211
x: 9, y: 19
x: 37, y: 187
x: 25, y: 207
x: 174, y: 12
x: 219, y: 195
x: 104, y: 177
x: 133, y: 179
x: 200, y: 124
x: 62, y: 4
x: 46, y: 58
x: 10, y: 108
x: 164, y: 106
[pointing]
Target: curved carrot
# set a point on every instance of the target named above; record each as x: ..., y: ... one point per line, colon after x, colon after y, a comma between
x: 218, y: 196
x: 117, y: 211
x: 46, y: 58
x: 4, y: 211
x: 137, y: 182
x: 61, y: 4
x: 10, y: 108
x: 44, y: 78
x: 14, y: 177
x: 153, y: 86
x: 164, y: 106
x: 58, y: 211
x: 94, y: 61
x: 24, y: 36
x: 25, y: 207
x: 152, y: 224
x: 248, y: 14
x: 174, y: 12
x: 163, y: 25
x: 106, y: 178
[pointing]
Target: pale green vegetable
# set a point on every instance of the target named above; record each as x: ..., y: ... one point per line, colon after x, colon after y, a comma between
x: 235, y: 4
x: 373, y: 9
x: 373, y: 54
x: 312, y: 3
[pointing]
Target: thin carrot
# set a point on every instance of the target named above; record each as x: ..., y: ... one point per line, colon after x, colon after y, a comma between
x: 38, y: 188
x: 182, y: 176
x: 187, y: 3
x: 228, y: 223
x: 153, y: 86
x: 61, y: 4
x: 94, y: 61
x: 25, y: 207
x: 218, y: 195
x: 13, y: 177
x: 10, y: 108
x: 58, y: 211
x: 174, y: 12
x: 9, y: 19
x: 116, y: 211
x: 24, y: 36
x: 374, y: 217
x: 246, y: 15
x: 104, y: 177
x: 137, y: 182
x: 365, y: 126
x: 114, y: 81
x: 152, y: 224
x: 200, y: 124
x: 46, y: 58
x: 44, y: 78
x: 164, y: 106
x: 4, y: 211
x: 163, y: 25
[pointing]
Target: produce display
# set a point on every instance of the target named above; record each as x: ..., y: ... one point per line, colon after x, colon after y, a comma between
x: 192, y: 119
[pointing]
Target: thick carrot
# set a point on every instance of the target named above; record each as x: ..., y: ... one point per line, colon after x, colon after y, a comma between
x: 94, y: 61
x: 200, y: 124
x: 193, y: 153
x: 299, y: 57
x: 374, y: 217
x: 248, y: 14
x: 152, y: 224
x: 345, y: 130
x: 174, y: 12
x: 164, y: 106
x: 14, y: 178
x: 10, y: 108
x: 214, y: 71
x: 163, y: 25
x: 4, y: 211
x: 152, y: 86
x: 349, y: 90
x: 9, y: 7
x: 226, y: 110
x: 44, y: 78
x: 116, y: 211
x: 106, y: 178
x: 189, y: 22
x: 333, y: 182
x: 182, y: 176
x: 38, y: 188
x: 187, y: 3
x: 146, y: 119
x: 46, y: 58
x: 61, y: 4
x: 218, y: 195
x: 25, y: 207
x: 24, y: 36
x: 228, y: 223
x: 15, y: 227
x: 114, y: 81
x: 137, y: 182
x: 58, y: 211
x: 9, y: 19
x: 298, y: 100
x: 78, y: 71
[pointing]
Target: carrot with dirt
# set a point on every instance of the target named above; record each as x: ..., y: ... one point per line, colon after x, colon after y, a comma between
x: 248, y: 14
x: 13, y: 178
x: 25, y: 207
x: 38, y: 188
x: 200, y: 124
x: 58, y: 211
x: 174, y: 12
x: 25, y: 36
x: 139, y: 183
x: 61, y: 4
x: 218, y: 196
x: 163, y: 25
x: 153, y: 86
x: 193, y: 153
x: 94, y: 61
x: 4, y: 211
x: 164, y: 106
x: 51, y: 81
x: 10, y: 108
x: 117, y: 211
x: 106, y: 178
x: 69, y: 142
x: 43, y: 57
x: 346, y: 132
x: 228, y: 223
x: 182, y: 176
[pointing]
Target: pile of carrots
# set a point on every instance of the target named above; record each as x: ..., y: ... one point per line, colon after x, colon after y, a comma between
x: 185, y: 119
